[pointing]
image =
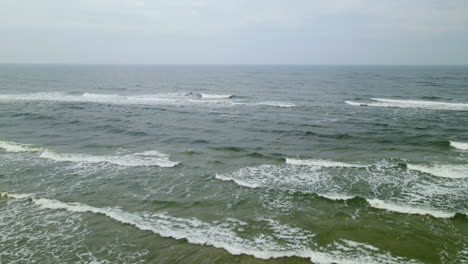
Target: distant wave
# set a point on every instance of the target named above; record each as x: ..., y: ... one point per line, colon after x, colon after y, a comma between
x: 216, y: 100
x: 413, y: 104
x: 147, y: 158
x: 284, y: 240
x: 17, y: 147
x: 278, y: 104
x: 217, y: 96
x: 459, y: 145
x: 323, y: 163
x: 447, y: 171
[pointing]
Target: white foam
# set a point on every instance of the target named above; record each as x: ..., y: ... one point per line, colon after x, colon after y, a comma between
x: 148, y: 158
x: 277, y: 104
x: 237, y: 181
x: 421, y: 104
x: 283, y: 240
x: 216, y: 96
x: 355, y: 103
x: 323, y: 163
x: 337, y: 196
x: 17, y: 147
x: 459, y: 145
x: 16, y: 195
x: 381, y: 102
x: 406, y: 209
x: 447, y: 171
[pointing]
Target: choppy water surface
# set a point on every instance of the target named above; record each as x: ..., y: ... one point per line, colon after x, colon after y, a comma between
x: 223, y: 164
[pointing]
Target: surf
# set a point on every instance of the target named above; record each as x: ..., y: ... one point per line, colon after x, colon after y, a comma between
x: 283, y: 241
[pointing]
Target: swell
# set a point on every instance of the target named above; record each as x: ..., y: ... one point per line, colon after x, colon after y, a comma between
x: 284, y: 240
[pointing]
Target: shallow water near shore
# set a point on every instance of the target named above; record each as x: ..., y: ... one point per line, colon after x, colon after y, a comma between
x: 224, y: 164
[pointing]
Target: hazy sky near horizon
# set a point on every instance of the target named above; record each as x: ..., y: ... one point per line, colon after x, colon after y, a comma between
x: 234, y: 31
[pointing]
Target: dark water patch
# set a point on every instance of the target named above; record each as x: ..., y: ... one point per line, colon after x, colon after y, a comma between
x: 200, y: 141
x: 32, y: 116
x: 76, y: 107
x: 431, y: 98
x: 430, y: 84
x: 229, y: 149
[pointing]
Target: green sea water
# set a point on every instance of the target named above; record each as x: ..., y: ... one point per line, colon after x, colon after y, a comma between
x: 233, y: 164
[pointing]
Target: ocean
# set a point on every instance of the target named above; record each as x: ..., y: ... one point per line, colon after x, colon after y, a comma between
x: 233, y: 164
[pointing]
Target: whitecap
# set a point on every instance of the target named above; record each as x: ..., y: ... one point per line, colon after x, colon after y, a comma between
x: 433, y: 105
x: 277, y: 104
x: 17, y: 147
x: 216, y: 96
x: 459, y: 145
x: 420, y: 104
x: 148, y: 158
x: 336, y: 196
x: 407, y: 209
x: 445, y: 170
x: 323, y: 163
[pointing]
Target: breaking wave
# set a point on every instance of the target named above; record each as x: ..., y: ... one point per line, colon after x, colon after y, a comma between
x: 459, y: 145
x: 380, y: 102
x: 216, y: 100
x: 385, y: 185
x: 277, y: 104
x: 230, y: 235
x: 17, y: 147
x: 447, y: 171
x: 323, y: 163
x: 216, y: 96
x: 147, y: 158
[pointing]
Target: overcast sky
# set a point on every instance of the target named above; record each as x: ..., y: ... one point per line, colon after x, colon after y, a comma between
x: 234, y: 31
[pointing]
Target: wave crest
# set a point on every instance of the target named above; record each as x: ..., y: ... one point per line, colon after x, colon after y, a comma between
x: 459, y: 145
x: 17, y: 147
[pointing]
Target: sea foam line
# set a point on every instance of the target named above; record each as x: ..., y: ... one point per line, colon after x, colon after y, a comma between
x: 381, y: 102
x: 216, y: 100
x: 323, y: 163
x: 296, y: 241
x: 147, y: 158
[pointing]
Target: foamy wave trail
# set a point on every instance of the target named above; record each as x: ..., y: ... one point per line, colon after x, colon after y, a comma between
x: 16, y: 195
x: 447, y: 171
x: 216, y: 96
x: 459, y: 145
x: 323, y: 163
x: 277, y: 104
x: 284, y: 240
x: 415, y: 104
x: 17, y: 147
x: 148, y: 158
x: 405, y: 209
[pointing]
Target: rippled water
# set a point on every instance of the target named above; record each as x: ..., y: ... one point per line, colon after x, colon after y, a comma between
x: 222, y: 164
